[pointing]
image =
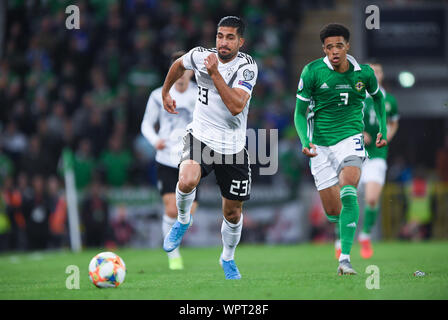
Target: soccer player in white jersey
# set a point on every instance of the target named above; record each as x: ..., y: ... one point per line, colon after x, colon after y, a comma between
x: 217, y: 135
x: 168, y: 143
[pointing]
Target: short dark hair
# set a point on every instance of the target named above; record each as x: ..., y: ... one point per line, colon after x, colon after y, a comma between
x: 334, y: 30
x: 234, y: 22
x: 176, y: 55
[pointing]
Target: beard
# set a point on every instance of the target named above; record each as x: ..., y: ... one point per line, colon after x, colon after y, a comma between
x: 226, y: 57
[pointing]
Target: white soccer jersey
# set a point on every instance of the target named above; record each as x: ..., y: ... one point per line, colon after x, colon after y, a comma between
x: 213, y: 124
x: 172, y: 126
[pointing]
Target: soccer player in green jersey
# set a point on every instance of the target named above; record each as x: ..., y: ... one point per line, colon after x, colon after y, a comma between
x: 332, y: 90
x: 374, y: 169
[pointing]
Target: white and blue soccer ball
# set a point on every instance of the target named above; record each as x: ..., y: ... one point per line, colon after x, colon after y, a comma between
x: 107, y: 270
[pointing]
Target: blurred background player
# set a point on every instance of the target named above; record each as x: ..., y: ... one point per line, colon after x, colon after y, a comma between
x: 333, y: 89
x: 374, y: 168
x: 226, y: 78
x: 168, y: 143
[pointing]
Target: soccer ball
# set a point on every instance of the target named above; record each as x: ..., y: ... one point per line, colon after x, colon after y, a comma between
x: 107, y: 270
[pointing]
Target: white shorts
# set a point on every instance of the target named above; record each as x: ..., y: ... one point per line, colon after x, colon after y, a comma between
x: 374, y: 170
x: 327, y: 165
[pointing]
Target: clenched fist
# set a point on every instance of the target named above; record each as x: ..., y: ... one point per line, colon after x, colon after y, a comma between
x: 211, y: 63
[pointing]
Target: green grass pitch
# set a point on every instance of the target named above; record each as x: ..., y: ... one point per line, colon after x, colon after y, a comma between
x: 304, y: 271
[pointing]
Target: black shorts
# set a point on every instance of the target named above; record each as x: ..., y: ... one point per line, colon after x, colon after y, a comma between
x: 232, y: 171
x: 167, y: 178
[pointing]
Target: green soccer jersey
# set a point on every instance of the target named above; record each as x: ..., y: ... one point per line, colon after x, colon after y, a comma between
x: 371, y: 125
x: 336, y: 99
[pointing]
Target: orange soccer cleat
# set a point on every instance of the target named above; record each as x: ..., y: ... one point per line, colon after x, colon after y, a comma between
x: 366, y: 248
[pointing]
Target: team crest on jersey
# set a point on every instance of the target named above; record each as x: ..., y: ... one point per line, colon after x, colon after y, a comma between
x: 300, y: 84
x: 248, y: 75
x: 359, y: 85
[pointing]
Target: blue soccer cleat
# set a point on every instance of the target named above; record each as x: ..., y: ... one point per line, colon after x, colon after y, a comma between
x: 230, y: 269
x: 174, y: 236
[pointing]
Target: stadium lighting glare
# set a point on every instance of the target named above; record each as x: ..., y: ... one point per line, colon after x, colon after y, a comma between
x: 406, y: 79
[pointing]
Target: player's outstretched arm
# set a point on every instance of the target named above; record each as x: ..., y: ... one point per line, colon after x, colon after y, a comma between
x: 235, y: 99
x: 301, y: 127
x: 174, y: 73
x: 380, y: 110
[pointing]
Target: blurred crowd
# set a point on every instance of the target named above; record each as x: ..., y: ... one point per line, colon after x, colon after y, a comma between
x: 86, y: 89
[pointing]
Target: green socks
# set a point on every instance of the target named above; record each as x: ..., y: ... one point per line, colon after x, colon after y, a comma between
x: 348, y: 219
x: 370, y: 215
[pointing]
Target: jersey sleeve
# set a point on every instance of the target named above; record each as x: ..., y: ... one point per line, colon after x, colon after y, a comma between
x: 306, y: 84
x: 246, y: 78
x: 189, y: 60
x: 372, y: 86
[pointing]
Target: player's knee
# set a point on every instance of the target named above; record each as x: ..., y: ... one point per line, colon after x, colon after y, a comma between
x: 187, y: 184
x: 350, y: 175
x: 188, y: 181
x: 189, y: 176
x: 371, y: 202
x: 350, y: 180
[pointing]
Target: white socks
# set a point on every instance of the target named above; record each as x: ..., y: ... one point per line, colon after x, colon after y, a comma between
x: 184, y: 201
x: 167, y: 223
x: 231, y: 235
x: 344, y: 257
x: 363, y: 236
x: 337, y: 244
